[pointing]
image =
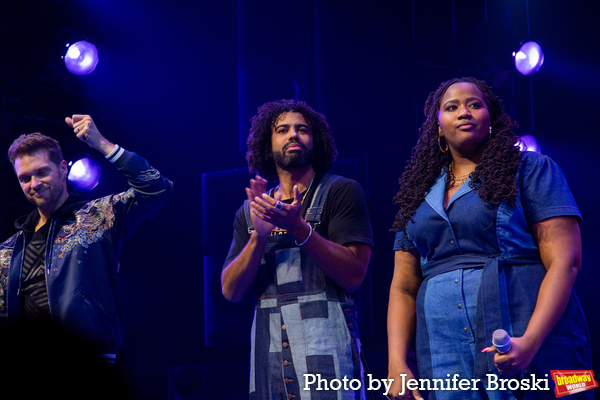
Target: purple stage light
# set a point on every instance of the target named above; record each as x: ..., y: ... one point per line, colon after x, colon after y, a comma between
x: 81, y: 58
x: 529, y: 58
x: 528, y: 143
x: 84, y: 174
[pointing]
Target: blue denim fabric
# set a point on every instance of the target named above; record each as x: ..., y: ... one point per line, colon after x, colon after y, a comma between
x: 303, y: 324
x: 451, y: 301
x: 456, y: 243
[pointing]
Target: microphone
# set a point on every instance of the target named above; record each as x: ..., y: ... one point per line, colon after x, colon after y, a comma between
x: 501, y: 341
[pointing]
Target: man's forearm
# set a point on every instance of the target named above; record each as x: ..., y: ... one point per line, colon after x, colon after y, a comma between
x: 240, y: 274
x: 345, y: 265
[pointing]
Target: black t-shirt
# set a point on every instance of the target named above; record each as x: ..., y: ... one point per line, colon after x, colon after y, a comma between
x: 33, y: 275
x: 345, y: 218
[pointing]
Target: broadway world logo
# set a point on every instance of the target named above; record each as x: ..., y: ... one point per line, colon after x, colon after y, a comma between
x: 569, y: 382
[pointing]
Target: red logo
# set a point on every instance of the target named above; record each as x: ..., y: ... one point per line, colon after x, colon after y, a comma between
x: 569, y: 382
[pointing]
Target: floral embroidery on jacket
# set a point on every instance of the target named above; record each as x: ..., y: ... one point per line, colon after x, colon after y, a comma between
x: 5, y: 257
x: 91, y: 222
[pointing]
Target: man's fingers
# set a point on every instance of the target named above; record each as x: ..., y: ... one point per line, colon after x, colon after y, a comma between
x: 261, y: 180
x: 249, y: 194
x: 269, y: 200
x: 261, y: 213
x: 258, y: 185
x: 259, y: 207
x: 258, y: 214
x: 253, y: 189
x: 82, y: 130
x: 297, y: 196
x: 81, y: 125
x: 78, y: 117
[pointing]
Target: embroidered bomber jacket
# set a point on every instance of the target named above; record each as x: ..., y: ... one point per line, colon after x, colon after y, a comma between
x: 82, y: 256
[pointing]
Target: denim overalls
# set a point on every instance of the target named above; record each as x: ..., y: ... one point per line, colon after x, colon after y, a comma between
x: 305, y: 325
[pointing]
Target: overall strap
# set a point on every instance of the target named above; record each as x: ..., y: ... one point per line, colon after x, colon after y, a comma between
x: 246, y: 207
x: 315, y: 210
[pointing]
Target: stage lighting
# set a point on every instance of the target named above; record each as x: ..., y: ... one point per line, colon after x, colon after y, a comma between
x: 84, y: 174
x: 529, y: 58
x: 528, y: 143
x: 81, y: 58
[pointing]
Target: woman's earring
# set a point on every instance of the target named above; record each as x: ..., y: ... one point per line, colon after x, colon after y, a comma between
x: 445, y: 149
x: 490, y: 135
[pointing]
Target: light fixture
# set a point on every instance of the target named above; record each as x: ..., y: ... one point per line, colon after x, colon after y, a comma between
x: 81, y: 57
x: 529, y: 143
x: 529, y: 58
x: 84, y: 174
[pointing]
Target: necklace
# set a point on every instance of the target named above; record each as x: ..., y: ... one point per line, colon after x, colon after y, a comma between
x: 309, y: 186
x: 453, y: 180
x: 278, y: 188
x: 460, y: 179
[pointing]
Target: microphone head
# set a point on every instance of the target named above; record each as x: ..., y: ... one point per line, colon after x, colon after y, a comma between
x: 501, y: 340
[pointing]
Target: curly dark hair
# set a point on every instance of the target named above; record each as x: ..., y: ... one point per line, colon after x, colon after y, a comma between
x: 494, y: 179
x: 260, y: 155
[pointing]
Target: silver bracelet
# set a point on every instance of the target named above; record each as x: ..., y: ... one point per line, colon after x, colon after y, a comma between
x: 309, y: 235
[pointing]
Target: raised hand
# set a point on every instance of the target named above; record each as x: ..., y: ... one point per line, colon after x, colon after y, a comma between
x: 274, y: 211
x: 258, y: 187
x: 86, y: 131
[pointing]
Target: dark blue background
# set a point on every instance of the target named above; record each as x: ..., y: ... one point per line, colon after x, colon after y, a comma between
x: 178, y: 81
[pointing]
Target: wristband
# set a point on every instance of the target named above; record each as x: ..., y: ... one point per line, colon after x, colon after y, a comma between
x: 309, y: 235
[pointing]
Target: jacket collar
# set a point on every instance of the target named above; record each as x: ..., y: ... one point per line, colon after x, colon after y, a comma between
x: 435, y: 195
x: 28, y: 222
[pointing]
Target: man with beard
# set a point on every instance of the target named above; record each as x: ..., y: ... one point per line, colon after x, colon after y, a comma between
x: 304, y: 246
x: 61, y: 269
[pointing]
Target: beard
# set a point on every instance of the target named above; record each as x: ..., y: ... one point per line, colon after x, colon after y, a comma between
x: 49, y: 196
x: 295, y: 159
x: 49, y: 201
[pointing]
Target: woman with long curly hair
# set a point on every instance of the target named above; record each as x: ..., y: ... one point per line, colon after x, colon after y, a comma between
x: 487, y: 238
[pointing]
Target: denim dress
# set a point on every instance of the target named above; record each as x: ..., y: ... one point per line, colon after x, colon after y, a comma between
x: 304, y: 324
x: 481, y: 272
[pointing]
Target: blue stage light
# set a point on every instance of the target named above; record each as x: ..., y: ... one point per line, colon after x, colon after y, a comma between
x: 529, y: 58
x: 84, y: 174
x: 529, y: 143
x: 81, y: 58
